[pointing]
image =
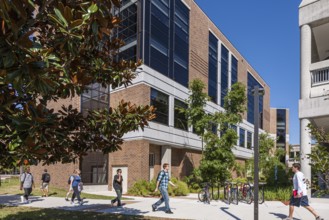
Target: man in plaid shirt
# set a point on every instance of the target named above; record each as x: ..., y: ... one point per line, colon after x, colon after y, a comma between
x: 162, y: 184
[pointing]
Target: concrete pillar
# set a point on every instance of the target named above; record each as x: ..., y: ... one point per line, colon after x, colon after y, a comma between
x: 305, y: 88
x: 305, y: 61
x: 166, y: 156
x: 305, y: 149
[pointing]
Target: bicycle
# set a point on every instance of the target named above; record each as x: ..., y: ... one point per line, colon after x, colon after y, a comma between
x: 231, y: 192
x: 245, y: 193
x: 204, y: 194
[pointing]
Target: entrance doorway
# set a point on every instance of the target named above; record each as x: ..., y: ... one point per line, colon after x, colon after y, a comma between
x: 94, y: 168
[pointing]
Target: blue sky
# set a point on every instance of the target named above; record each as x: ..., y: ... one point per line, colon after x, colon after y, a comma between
x: 266, y: 33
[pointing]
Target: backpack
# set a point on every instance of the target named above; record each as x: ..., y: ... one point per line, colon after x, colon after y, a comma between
x: 69, y: 180
x: 46, y: 178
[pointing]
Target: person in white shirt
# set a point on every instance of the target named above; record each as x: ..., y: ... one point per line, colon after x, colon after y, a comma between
x: 299, y: 197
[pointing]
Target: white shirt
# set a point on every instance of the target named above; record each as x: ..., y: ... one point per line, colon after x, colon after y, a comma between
x: 300, y: 183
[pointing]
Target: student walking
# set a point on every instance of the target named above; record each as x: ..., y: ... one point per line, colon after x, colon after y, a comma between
x: 75, y: 186
x: 70, y: 187
x: 26, y: 183
x: 117, y: 185
x: 162, y: 184
x: 299, y: 197
x: 45, y: 183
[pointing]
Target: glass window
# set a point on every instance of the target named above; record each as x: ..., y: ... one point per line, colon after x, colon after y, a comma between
x: 249, y: 140
x: 292, y: 155
x: 224, y: 74
x: 161, y: 102
x: 252, y: 82
x: 281, y: 127
x: 241, y: 137
x: 180, y: 120
x: 96, y: 97
x: 166, y: 40
x: 212, y: 68
x: 234, y: 70
x: 127, y: 30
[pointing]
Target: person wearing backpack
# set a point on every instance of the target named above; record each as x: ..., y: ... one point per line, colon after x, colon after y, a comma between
x: 75, y: 186
x: 162, y: 184
x: 27, y: 182
x: 69, y: 181
x: 45, y: 183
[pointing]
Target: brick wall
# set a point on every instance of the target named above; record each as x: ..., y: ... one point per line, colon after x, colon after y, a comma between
x: 138, y: 94
x: 59, y: 174
x: 135, y: 156
x: 156, y: 150
x: 183, y: 161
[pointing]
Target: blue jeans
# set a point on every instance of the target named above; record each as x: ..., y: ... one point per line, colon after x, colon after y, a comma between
x: 164, y: 198
x: 118, y: 198
x: 76, y: 193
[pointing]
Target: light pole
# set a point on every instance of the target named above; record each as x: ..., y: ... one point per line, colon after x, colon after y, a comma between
x: 257, y: 91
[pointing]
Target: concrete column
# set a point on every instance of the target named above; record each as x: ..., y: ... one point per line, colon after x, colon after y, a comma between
x: 305, y: 148
x: 166, y: 156
x: 305, y: 88
x: 305, y: 61
x: 171, y: 111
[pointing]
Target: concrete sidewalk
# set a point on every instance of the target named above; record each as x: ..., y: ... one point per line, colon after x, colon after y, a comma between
x: 183, y: 208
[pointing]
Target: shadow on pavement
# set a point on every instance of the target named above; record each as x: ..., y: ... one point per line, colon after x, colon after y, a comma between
x: 224, y: 209
x: 282, y: 216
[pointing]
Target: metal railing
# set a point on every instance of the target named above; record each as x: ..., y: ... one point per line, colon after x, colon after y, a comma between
x: 320, y: 76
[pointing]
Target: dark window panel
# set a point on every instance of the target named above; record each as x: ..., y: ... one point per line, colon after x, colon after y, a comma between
x: 180, y: 121
x: 161, y: 102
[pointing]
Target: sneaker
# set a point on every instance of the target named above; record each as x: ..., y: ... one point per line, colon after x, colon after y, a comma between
x: 169, y: 212
x: 66, y: 199
x: 153, y: 208
x: 112, y: 202
x: 319, y: 218
x: 72, y: 203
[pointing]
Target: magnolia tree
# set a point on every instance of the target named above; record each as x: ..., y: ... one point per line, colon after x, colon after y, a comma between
x: 217, y: 159
x: 53, y: 50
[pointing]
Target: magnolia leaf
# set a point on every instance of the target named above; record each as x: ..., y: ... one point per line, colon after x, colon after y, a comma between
x: 61, y: 17
x: 93, y: 8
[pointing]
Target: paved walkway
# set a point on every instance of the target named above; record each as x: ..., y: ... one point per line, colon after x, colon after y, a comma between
x: 183, y: 208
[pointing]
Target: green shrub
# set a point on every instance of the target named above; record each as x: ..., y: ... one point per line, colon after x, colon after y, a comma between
x: 140, y: 188
x: 145, y: 188
x: 280, y: 194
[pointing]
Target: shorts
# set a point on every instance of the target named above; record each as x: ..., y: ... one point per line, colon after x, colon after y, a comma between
x: 44, y: 185
x: 302, y: 201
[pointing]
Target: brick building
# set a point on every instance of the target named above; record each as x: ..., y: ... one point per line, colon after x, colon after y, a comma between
x: 177, y: 43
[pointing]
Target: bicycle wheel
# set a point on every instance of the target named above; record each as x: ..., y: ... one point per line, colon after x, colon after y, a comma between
x: 249, y: 197
x: 202, y: 195
x: 234, y: 196
x: 227, y: 195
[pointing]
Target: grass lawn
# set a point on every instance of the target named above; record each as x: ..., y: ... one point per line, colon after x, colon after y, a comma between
x: 11, y: 187
x: 28, y: 213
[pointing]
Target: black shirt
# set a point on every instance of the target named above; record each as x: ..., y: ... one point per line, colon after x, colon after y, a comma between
x: 117, y: 185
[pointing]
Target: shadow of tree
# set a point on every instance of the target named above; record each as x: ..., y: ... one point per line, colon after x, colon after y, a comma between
x: 15, y: 210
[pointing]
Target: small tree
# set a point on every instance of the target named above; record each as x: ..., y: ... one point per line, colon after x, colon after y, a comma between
x: 52, y: 50
x: 218, y: 159
x: 319, y: 158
